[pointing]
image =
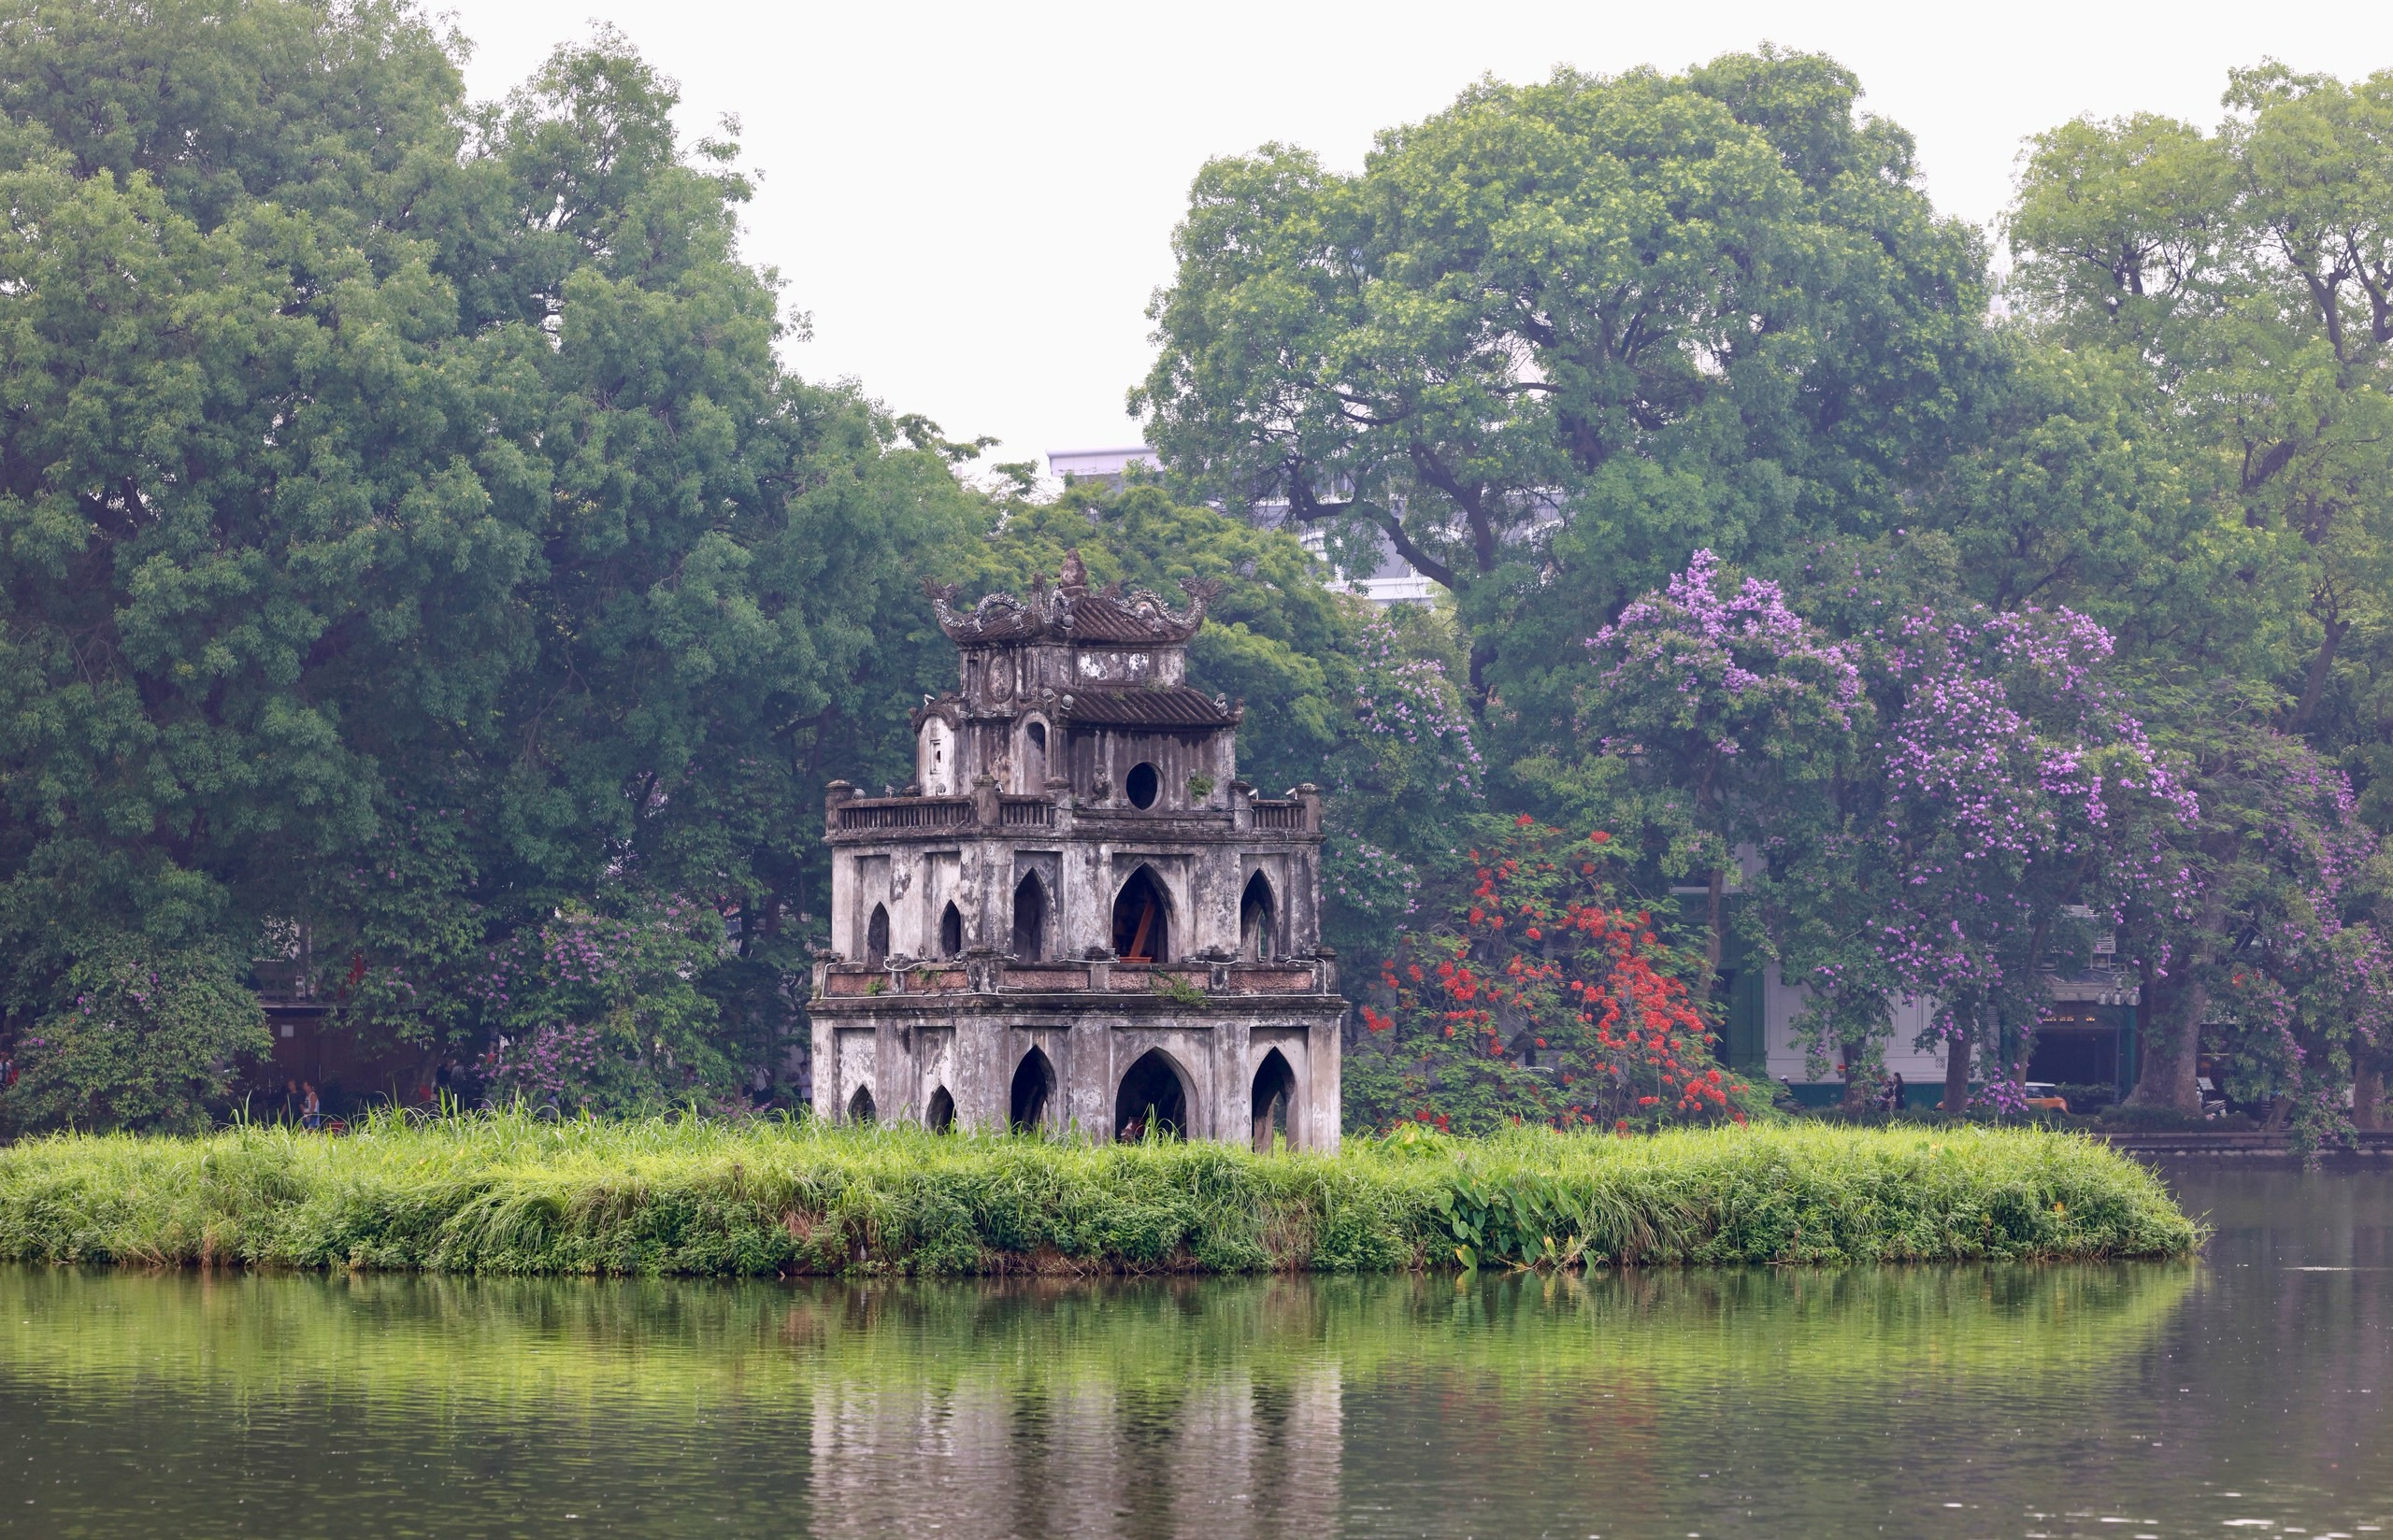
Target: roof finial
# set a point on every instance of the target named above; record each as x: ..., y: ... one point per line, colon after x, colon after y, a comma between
x: 1073, y: 581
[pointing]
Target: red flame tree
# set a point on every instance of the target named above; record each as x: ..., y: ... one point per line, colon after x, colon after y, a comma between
x: 1539, y: 996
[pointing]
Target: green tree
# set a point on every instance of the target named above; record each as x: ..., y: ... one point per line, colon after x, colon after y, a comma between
x: 1558, y: 335
x: 405, y: 525
x: 144, y: 1040
x: 2247, y: 273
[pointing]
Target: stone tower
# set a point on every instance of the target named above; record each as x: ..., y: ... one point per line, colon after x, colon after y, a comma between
x: 1078, y: 918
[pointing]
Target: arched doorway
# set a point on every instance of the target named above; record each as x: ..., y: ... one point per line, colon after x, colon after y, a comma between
x: 1257, y: 920
x: 1034, y: 1088
x: 1029, y: 919
x: 1142, y: 919
x: 876, y: 937
x: 940, y: 1116
x: 1274, y: 1101
x: 1153, y: 1100
x: 860, y: 1108
x: 950, y: 933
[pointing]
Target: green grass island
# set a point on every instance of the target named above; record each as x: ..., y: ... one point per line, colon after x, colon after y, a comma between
x: 505, y: 1193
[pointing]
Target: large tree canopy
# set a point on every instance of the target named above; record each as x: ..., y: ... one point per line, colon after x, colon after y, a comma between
x: 406, y: 524
x: 1552, y: 338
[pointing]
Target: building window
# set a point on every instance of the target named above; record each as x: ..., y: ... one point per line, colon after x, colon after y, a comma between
x: 950, y: 933
x: 1256, y: 930
x: 1034, y: 757
x: 1029, y: 919
x: 1141, y: 920
x: 1142, y: 785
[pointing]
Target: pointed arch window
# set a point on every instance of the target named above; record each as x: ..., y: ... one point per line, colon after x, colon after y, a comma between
x: 1030, y: 918
x: 951, y: 932
x: 1258, y: 930
x: 876, y: 937
x: 1142, y: 919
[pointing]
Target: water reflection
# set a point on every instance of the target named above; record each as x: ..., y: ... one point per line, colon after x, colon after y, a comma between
x: 1996, y: 1401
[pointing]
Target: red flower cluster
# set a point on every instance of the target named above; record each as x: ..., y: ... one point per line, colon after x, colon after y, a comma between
x: 1543, y: 997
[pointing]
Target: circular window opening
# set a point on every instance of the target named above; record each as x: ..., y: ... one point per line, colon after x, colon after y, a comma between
x: 1142, y: 785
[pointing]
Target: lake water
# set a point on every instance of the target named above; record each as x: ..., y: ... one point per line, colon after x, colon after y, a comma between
x: 2242, y: 1393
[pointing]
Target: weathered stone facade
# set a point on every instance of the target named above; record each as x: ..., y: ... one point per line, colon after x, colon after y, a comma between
x: 1079, y: 918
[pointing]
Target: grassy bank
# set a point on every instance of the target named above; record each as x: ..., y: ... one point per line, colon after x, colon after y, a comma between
x: 509, y: 1194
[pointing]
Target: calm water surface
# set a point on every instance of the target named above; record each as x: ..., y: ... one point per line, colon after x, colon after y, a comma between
x: 2244, y: 1393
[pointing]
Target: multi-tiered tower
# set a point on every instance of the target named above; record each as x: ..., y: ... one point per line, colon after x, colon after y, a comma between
x: 1078, y: 917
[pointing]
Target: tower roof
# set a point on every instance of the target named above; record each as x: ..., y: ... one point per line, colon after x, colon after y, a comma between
x: 1070, y: 612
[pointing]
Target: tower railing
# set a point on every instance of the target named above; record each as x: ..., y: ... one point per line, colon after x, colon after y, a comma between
x: 889, y: 813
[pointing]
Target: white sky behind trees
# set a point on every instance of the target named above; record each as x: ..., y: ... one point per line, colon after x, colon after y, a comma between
x: 974, y: 202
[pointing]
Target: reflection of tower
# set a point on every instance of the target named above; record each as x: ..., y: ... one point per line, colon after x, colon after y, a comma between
x: 1077, y: 917
x: 1218, y: 1457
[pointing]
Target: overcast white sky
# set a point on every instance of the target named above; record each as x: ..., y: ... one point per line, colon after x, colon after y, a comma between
x: 975, y: 201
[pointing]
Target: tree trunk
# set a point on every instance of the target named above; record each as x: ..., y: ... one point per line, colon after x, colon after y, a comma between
x: 1956, y: 1075
x: 2368, y: 1095
x: 1715, y: 944
x: 2172, y: 1055
x: 2322, y: 665
x: 2171, y: 1049
x: 1855, y: 1099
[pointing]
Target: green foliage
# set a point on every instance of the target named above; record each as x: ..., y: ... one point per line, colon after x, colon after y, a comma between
x: 1556, y: 337
x: 140, y: 1039
x: 603, y: 1012
x: 512, y: 1194
x: 406, y: 525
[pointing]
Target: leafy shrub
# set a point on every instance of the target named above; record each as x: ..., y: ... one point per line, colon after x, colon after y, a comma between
x: 2154, y: 1120
x: 602, y: 1011
x: 143, y: 1040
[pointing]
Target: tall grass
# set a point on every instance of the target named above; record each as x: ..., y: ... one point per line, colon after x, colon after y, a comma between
x: 505, y: 1193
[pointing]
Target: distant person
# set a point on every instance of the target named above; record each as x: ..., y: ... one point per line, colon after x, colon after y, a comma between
x: 291, y: 1100
x: 760, y: 1087
x: 1895, y: 1093
x: 311, y: 1106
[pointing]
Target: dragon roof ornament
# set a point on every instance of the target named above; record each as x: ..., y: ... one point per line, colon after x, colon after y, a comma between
x: 1068, y: 612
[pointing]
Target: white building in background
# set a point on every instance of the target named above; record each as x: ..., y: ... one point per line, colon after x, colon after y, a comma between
x: 1393, y: 581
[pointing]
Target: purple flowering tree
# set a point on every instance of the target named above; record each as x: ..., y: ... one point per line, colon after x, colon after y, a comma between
x: 2281, y: 957
x: 1734, y: 721
x: 603, y: 1010
x: 1937, y: 808
x: 2015, y: 790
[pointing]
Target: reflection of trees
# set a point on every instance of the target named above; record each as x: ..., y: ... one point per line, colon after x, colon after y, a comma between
x: 493, y: 1341
x: 1213, y: 1408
